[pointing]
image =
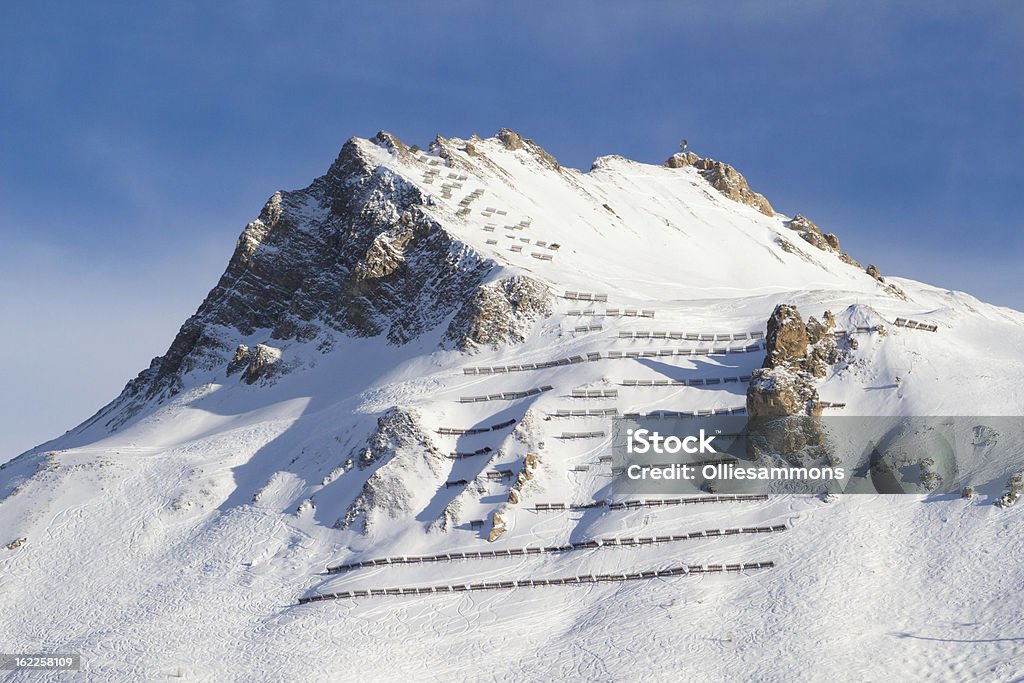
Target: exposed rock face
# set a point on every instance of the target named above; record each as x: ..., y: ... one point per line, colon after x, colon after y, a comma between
x: 1014, y: 490
x: 239, y: 360
x: 723, y: 178
x: 786, y: 338
x: 796, y: 353
x: 812, y: 234
x: 354, y: 253
x: 513, y: 141
x: 783, y: 390
x: 397, y: 429
x: 391, y: 142
x: 399, y: 446
x: 778, y: 392
x: 497, y: 527
x: 822, y: 351
x: 874, y: 272
x: 500, y: 313
x: 530, y: 464
x: 264, y: 363
x: 16, y: 543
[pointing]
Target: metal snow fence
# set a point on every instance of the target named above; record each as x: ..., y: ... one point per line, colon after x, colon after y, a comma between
x: 458, y: 455
x: 595, y: 393
x: 915, y: 325
x: 682, y: 570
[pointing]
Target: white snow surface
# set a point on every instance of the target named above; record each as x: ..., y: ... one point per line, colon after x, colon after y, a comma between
x: 179, y: 545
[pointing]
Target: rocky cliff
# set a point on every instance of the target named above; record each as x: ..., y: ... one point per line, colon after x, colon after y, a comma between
x: 355, y: 253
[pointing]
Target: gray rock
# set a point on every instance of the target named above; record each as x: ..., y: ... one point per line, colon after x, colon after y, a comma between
x: 352, y: 254
x: 499, y: 313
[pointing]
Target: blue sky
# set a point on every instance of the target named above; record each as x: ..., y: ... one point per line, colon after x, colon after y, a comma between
x: 136, y: 140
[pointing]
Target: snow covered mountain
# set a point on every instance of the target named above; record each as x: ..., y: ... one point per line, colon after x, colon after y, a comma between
x: 419, y: 355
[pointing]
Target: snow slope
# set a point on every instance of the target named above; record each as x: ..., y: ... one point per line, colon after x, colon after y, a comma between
x: 174, y: 533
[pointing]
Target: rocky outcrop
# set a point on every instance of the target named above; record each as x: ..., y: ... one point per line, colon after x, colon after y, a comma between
x: 796, y: 354
x: 513, y: 141
x: 822, y: 350
x: 813, y: 235
x: 264, y: 363
x: 239, y: 360
x: 392, y: 143
x: 1014, y: 490
x: 404, y: 456
x: 397, y: 429
x: 775, y: 392
x: 786, y: 339
x: 875, y: 273
x: 781, y: 397
x: 499, y: 313
x: 723, y: 178
x: 497, y: 527
x: 530, y: 464
x: 16, y: 543
x: 259, y: 364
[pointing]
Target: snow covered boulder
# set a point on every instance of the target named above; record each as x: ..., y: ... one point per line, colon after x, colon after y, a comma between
x: 1014, y: 489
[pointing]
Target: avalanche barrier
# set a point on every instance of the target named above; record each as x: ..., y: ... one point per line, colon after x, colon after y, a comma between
x: 651, y: 502
x: 545, y: 550
x: 683, y: 570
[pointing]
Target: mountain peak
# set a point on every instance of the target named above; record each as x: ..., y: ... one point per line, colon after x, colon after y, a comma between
x: 465, y: 244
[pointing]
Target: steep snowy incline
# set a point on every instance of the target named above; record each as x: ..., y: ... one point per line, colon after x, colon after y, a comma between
x: 421, y: 354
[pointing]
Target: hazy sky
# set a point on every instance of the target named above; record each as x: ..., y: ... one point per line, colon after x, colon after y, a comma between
x: 136, y: 142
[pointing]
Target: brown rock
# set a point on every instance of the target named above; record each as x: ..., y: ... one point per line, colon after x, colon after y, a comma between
x: 787, y: 337
x: 497, y: 527
x: 682, y: 160
x: 391, y: 142
x: 778, y: 392
x: 513, y: 141
x: 723, y: 178
x: 795, y: 354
